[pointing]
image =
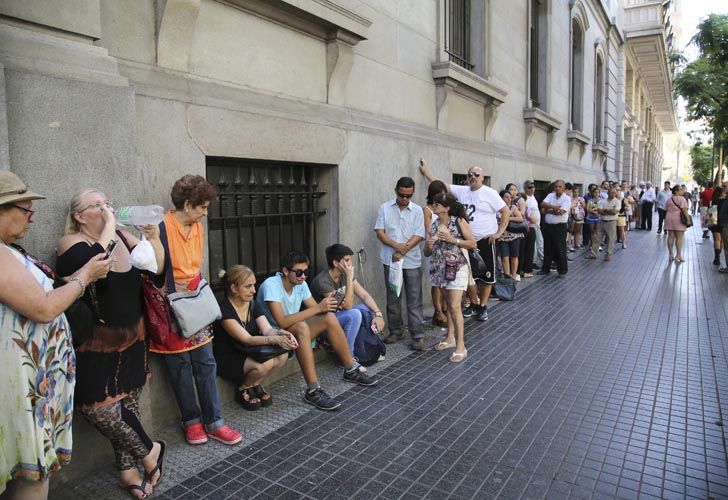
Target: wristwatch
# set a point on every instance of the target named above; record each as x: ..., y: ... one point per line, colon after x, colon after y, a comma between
x: 378, y: 314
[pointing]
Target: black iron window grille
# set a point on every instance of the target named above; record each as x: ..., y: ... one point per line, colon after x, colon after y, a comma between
x: 457, y: 32
x: 263, y: 211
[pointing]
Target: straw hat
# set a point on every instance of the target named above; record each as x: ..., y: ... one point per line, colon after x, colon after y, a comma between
x: 12, y: 189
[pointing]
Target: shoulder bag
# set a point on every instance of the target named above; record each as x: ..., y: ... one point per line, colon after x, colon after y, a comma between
x: 477, y: 265
x: 685, y: 217
x: 157, y: 316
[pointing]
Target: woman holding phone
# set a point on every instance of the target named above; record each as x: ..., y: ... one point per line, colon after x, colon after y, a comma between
x: 242, y: 329
x: 112, y: 364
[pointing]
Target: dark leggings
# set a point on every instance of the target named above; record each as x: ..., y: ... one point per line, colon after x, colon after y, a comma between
x: 527, y: 250
x: 120, y: 423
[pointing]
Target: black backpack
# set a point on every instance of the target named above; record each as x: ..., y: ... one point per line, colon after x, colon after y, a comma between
x: 368, y: 347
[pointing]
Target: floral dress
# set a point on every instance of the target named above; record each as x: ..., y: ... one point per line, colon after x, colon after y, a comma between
x: 36, y: 392
x: 442, y: 251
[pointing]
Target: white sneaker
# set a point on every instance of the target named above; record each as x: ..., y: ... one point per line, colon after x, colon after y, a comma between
x: 517, y: 277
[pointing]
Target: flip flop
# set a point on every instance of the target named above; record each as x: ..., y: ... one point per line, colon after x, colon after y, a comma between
x: 458, y: 357
x: 445, y: 345
x: 131, y: 488
x: 157, y: 468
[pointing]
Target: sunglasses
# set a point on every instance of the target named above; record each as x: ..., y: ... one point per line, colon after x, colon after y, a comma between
x: 26, y: 210
x: 473, y: 174
x: 299, y: 272
x: 405, y: 196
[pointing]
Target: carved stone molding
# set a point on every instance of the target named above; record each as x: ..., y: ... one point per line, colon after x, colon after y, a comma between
x: 579, y: 141
x: 176, y: 21
x: 538, y: 119
x: 450, y: 78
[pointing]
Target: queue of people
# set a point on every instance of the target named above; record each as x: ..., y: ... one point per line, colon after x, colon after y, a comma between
x: 81, y: 335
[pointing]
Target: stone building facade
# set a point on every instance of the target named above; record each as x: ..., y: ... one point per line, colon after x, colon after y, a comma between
x: 305, y: 112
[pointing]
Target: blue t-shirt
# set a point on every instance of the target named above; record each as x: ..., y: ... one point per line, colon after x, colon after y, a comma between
x: 272, y: 291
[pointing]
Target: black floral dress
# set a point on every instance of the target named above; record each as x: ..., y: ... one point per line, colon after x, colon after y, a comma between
x: 442, y: 251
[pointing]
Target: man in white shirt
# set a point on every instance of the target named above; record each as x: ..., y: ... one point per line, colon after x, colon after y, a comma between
x: 481, y: 205
x: 647, y: 202
x: 557, y: 206
x: 662, y: 196
x: 532, y: 208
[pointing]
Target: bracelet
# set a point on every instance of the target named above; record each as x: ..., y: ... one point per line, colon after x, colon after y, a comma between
x: 269, y: 339
x: 378, y: 314
x: 80, y: 283
x: 457, y: 242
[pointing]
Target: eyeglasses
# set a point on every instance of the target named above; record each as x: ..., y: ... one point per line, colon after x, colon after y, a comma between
x: 26, y: 210
x: 473, y: 174
x: 530, y: 187
x: 405, y: 196
x: 299, y: 272
x: 97, y: 206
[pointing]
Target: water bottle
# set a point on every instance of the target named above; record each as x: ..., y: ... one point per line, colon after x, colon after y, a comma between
x: 140, y: 216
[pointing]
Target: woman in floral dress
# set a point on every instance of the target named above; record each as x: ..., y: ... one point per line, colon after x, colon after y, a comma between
x: 36, y: 392
x: 449, y: 235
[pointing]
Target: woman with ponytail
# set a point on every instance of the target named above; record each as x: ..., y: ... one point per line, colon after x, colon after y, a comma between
x: 241, y: 340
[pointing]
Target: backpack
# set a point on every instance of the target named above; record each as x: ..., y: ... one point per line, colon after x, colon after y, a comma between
x: 368, y: 347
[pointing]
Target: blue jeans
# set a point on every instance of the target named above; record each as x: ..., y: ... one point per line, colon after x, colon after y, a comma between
x: 195, y: 369
x: 350, y: 321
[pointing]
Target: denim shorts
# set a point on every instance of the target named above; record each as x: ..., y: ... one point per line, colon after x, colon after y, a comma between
x: 509, y: 248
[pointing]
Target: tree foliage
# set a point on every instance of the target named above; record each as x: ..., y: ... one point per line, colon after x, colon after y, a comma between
x: 701, y: 158
x: 703, y: 83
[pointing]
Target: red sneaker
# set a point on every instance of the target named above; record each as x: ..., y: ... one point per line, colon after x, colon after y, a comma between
x: 195, y: 434
x: 226, y: 435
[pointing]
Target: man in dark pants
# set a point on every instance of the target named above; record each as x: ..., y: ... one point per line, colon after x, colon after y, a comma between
x: 662, y: 197
x: 557, y: 206
x: 647, y: 202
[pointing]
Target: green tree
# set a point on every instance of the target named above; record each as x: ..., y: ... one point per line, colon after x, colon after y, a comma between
x: 703, y: 83
x: 701, y: 158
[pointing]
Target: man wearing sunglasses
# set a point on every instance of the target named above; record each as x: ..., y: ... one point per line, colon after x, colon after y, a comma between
x: 400, y: 228
x: 482, y: 204
x: 281, y: 297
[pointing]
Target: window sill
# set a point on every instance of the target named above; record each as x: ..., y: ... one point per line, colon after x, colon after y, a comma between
x: 449, y: 78
x: 600, y: 147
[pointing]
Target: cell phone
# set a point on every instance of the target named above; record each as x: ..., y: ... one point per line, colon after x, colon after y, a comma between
x: 110, y: 248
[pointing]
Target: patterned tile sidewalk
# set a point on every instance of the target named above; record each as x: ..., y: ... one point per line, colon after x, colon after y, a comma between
x: 610, y: 383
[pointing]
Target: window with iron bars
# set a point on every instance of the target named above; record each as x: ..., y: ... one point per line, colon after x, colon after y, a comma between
x: 264, y: 210
x: 457, y: 32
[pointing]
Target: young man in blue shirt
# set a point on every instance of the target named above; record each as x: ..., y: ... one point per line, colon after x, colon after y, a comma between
x: 281, y: 297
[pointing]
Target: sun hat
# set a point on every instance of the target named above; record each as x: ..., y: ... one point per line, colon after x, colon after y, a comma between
x: 12, y: 189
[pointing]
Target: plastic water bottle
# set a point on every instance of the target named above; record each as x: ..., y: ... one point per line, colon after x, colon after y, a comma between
x: 140, y: 216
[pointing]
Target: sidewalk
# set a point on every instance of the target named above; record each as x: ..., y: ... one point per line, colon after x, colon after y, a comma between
x: 609, y: 383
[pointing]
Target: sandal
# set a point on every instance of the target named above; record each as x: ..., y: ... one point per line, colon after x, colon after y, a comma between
x: 131, y: 488
x: 265, y: 398
x: 723, y: 270
x: 149, y: 475
x: 247, y: 399
x: 458, y: 357
x: 439, y: 319
x: 445, y: 345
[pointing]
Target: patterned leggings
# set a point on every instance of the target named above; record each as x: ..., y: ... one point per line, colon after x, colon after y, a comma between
x: 120, y: 423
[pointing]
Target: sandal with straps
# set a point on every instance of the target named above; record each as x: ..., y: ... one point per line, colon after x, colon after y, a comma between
x: 148, y: 476
x: 458, y: 357
x: 247, y: 399
x: 265, y: 398
x: 445, y: 345
x: 131, y: 488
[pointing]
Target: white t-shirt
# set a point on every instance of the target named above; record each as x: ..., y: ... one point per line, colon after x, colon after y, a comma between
x: 532, y: 203
x: 481, y: 206
x: 564, y: 202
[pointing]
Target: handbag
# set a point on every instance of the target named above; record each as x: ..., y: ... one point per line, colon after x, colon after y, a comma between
x: 194, y: 309
x: 477, y: 265
x: 517, y: 227
x: 262, y: 353
x: 685, y: 217
x: 504, y: 289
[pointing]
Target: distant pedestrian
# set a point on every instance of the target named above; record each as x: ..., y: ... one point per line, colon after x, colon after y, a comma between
x: 647, y: 204
x: 662, y: 196
x: 609, y: 211
x: 706, y: 195
x: 592, y: 218
x: 532, y: 257
x: 674, y: 225
x: 400, y: 228
x: 716, y: 201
